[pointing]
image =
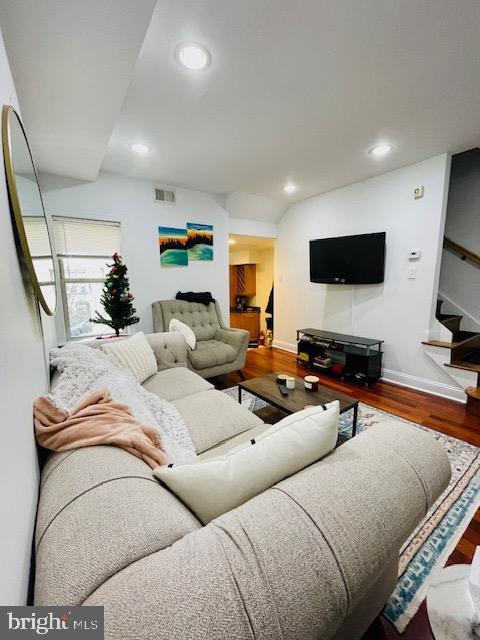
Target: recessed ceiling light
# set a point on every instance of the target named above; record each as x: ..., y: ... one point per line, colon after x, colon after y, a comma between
x: 192, y: 56
x: 290, y: 188
x: 231, y: 241
x: 140, y: 148
x: 380, y: 150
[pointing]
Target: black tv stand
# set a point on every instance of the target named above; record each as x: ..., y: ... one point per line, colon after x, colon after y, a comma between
x: 348, y: 357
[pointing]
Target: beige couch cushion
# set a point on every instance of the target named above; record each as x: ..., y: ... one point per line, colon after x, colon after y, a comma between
x: 135, y: 354
x: 226, y: 446
x: 175, y: 383
x: 212, y: 417
x: 211, y: 353
x: 100, y: 510
x: 216, y: 485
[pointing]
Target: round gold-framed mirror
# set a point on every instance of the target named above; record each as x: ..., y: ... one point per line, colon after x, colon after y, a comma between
x: 32, y: 230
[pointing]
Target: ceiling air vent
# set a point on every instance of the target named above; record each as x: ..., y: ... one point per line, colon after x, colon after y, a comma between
x: 164, y: 195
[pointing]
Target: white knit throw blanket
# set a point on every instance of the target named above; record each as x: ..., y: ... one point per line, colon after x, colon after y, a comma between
x: 84, y: 369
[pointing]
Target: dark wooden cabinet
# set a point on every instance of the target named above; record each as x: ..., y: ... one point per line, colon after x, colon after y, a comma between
x: 248, y: 320
x: 243, y: 280
x: 233, y: 286
x: 251, y: 322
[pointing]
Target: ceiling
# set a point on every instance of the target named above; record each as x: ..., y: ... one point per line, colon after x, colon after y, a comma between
x: 297, y: 91
x: 72, y: 62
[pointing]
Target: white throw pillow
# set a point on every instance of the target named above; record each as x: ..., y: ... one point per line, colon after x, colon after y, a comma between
x: 135, y: 354
x: 181, y: 327
x: 217, y: 485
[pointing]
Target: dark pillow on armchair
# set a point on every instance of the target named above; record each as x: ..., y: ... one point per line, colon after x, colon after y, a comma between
x: 203, y: 297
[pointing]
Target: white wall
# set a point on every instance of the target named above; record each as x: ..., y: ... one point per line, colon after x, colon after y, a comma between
x: 246, y: 205
x: 463, y: 219
x: 460, y: 280
x: 130, y: 202
x: 460, y: 289
x: 23, y: 377
x: 246, y: 227
x: 399, y: 311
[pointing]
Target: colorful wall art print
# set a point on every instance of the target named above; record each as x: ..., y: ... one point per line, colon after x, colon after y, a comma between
x: 200, y: 241
x: 173, y: 247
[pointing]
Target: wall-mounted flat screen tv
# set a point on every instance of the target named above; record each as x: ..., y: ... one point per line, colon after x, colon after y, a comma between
x: 348, y: 259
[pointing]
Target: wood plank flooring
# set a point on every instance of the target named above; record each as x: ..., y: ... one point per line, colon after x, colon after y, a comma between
x: 432, y: 411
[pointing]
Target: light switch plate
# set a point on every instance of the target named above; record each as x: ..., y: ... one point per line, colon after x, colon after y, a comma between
x: 412, y: 274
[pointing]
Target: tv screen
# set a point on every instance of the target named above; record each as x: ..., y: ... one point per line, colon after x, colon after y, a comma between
x: 348, y: 259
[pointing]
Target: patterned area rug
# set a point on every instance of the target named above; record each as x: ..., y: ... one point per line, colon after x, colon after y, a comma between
x: 430, y: 545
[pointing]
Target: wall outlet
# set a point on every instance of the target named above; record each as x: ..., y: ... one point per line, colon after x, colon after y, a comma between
x: 418, y: 192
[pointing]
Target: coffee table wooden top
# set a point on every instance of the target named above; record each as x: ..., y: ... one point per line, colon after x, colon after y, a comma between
x: 267, y: 389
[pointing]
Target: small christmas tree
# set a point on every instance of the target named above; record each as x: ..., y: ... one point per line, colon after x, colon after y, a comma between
x: 116, y: 298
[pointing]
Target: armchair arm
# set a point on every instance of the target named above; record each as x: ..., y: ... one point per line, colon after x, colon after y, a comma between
x: 170, y: 349
x: 236, y: 338
x: 294, y: 562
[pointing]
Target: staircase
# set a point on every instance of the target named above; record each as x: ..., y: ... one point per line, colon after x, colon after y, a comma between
x: 458, y: 353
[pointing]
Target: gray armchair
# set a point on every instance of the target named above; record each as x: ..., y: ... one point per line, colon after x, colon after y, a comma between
x: 218, y: 350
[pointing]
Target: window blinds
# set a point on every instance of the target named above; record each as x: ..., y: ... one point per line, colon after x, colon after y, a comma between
x: 75, y: 237
x: 37, y: 235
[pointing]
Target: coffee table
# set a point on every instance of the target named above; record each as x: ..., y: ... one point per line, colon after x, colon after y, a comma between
x: 267, y: 389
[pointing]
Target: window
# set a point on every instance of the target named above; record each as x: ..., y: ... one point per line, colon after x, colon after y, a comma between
x: 84, y: 247
x: 39, y: 245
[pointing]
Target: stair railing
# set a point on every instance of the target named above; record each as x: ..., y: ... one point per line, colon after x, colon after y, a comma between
x: 462, y: 252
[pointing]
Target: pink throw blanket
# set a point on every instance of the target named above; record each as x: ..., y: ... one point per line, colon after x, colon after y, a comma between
x: 96, y: 420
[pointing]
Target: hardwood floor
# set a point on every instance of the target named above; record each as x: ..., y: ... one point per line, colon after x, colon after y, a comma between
x: 437, y: 413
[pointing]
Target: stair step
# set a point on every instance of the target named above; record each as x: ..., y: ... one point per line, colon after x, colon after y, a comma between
x: 452, y: 322
x: 473, y: 392
x: 462, y: 364
x: 472, y: 356
x: 473, y: 400
x: 448, y: 316
x: 460, y: 336
x: 442, y: 343
x: 462, y: 339
x: 462, y: 378
x: 439, y: 343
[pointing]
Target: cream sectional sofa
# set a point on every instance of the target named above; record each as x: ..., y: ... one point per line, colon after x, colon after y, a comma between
x: 314, y: 557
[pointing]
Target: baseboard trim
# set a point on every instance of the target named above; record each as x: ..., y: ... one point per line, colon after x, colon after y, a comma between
x: 422, y: 384
x: 285, y: 346
x: 402, y: 379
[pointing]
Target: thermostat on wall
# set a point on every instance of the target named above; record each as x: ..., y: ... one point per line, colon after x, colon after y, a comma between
x: 418, y: 192
x: 414, y: 254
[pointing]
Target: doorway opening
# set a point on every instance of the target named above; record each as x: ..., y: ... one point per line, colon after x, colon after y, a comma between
x: 251, y: 261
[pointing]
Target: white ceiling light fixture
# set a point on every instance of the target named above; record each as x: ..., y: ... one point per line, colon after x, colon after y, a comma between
x: 231, y: 241
x: 290, y: 188
x: 381, y: 150
x: 193, y: 56
x: 140, y: 148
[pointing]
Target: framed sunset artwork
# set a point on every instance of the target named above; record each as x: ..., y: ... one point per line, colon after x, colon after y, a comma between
x: 173, y: 247
x: 199, y: 241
